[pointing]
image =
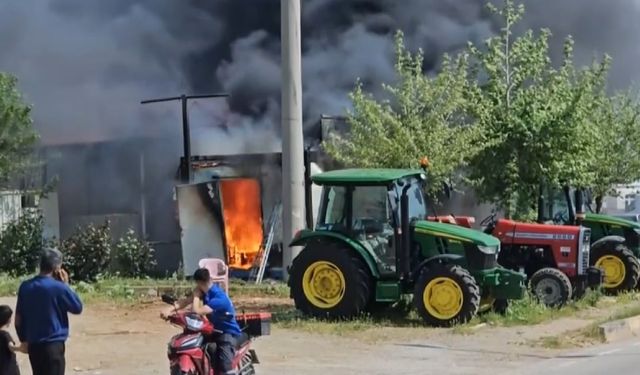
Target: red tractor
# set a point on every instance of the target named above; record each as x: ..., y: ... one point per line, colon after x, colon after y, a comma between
x: 554, y: 258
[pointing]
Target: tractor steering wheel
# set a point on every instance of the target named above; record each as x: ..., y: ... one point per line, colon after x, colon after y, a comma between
x: 561, y: 217
x: 491, y: 219
x: 489, y: 222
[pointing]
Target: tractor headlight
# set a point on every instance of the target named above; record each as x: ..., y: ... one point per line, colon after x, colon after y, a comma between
x: 489, y: 249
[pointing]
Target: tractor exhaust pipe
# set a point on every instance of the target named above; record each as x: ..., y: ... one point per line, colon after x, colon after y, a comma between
x: 541, y: 204
x: 567, y: 196
x: 579, y: 199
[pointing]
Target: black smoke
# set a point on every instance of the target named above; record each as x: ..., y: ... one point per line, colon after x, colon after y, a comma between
x: 85, y: 64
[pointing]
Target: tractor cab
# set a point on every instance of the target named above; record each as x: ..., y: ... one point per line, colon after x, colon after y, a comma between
x: 368, y: 211
x: 615, y: 242
x: 564, y: 206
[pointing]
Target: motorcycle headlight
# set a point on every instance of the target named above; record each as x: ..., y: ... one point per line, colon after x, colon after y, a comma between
x: 489, y: 249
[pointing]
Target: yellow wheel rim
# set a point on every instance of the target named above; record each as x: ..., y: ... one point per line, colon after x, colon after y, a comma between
x: 443, y: 298
x: 613, y: 269
x: 323, y: 284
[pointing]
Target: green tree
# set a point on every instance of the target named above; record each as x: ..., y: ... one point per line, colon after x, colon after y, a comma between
x: 422, y: 117
x: 536, y: 116
x: 616, y: 159
x: 17, y: 135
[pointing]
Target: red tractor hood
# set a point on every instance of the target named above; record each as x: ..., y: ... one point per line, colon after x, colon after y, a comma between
x: 518, y: 230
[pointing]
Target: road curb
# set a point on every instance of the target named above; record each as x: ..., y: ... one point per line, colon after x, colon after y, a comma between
x: 620, y: 329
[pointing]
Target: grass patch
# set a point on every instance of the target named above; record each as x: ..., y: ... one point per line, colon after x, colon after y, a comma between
x: 399, y: 315
x: 624, y: 306
x: 553, y: 342
x: 292, y: 319
x: 528, y: 311
x: 120, y: 289
x: 9, y: 285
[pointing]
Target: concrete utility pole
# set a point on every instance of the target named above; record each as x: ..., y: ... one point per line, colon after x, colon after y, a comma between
x: 292, y: 142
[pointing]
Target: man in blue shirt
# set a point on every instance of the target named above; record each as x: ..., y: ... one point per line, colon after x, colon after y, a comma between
x: 210, y: 300
x: 41, y: 314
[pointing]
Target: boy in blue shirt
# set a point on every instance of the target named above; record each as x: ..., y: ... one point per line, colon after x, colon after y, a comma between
x: 210, y: 300
x: 41, y: 319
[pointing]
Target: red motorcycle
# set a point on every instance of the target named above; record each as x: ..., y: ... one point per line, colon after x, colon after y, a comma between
x: 189, y: 353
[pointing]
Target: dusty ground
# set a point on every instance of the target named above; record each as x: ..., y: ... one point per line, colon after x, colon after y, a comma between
x: 111, y: 340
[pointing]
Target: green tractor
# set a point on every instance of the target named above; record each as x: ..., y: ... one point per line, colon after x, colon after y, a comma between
x: 615, y: 242
x: 372, y: 244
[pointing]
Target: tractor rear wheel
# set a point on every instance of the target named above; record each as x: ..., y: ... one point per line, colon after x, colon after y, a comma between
x: 446, y: 294
x: 620, y: 267
x: 551, y: 287
x: 330, y: 282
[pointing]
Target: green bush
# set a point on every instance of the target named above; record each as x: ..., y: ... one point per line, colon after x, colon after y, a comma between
x: 20, y: 245
x: 87, y: 252
x: 132, y: 257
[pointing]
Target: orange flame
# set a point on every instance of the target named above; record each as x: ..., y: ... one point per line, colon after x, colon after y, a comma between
x: 242, y: 221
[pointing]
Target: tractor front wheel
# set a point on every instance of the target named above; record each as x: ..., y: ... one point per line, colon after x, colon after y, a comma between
x: 446, y: 294
x: 551, y: 287
x: 330, y: 282
x: 620, y: 267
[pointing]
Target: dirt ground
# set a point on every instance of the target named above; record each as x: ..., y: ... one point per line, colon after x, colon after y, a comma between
x: 110, y: 340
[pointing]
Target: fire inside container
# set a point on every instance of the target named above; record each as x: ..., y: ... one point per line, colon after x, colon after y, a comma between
x: 242, y: 214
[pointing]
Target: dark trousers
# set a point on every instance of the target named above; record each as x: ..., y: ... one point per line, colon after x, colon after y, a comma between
x: 222, y: 350
x: 47, y: 358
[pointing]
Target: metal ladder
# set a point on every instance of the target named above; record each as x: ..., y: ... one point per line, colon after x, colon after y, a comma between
x: 260, y: 263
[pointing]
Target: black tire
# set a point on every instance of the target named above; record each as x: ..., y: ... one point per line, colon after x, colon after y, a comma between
x: 624, y: 255
x: 551, y: 287
x: 470, y: 293
x: 355, y: 294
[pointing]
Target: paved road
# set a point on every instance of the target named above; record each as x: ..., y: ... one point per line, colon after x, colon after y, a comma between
x: 613, y: 359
